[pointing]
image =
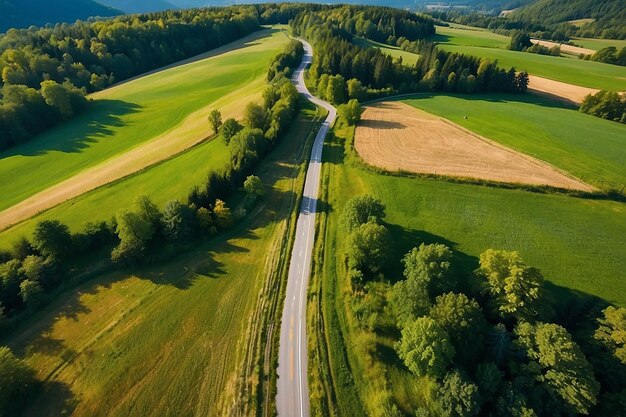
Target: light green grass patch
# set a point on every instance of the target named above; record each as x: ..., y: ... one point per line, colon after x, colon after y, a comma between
x: 408, y: 58
x: 469, y: 36
x: 133, y: 113
x: 597, y: 44
x: 590, y: 148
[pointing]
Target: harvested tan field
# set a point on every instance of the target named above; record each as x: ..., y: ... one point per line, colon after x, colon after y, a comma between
x: 396, y: 136
x: 566, y: 49
x: 193, y: 130
x: 568, y: 92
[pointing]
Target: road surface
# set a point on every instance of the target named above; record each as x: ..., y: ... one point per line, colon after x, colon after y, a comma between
x: 293, y: 391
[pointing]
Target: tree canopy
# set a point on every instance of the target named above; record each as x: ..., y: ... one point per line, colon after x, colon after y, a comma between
x: 425, y: 348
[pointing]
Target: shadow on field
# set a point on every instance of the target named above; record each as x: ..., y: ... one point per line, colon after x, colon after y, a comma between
x: 380, y: 124
x: 79, y: 132
x: 60, y: 400
x: 407, y: 239
x: 439, y: 38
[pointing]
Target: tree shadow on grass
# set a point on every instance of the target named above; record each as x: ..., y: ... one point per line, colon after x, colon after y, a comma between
x: 79, y: 132
x: 405, y: 239
x: 52, y: 398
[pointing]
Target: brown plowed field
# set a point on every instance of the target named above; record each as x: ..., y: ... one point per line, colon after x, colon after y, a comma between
x: 556, y: 89
x: 396, y: 136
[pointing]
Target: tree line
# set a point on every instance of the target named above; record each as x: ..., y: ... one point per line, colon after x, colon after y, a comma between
x: 605, y: 104
x: 45, y: 72
x: 490, y: 343
x: 370, y: 73
x: 550, y: 19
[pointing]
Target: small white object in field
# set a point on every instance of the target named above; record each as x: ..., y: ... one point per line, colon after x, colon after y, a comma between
x: 465, y: 117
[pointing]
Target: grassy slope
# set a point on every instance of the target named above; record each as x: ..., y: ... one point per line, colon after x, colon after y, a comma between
x: 408, y: 58
x: 470, y: 36
x: 576, y: 243
x: 165, y: 340
x: 597, y: 44
x: 135, y: 112
x: 573, y: 71
x: 168, y: 180
x: 590, y: 148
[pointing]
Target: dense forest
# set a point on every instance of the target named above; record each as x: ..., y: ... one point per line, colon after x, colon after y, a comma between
x: 46, y: 72
x: 552, y: 19
x: 488, y: 343
x: 345, y: 71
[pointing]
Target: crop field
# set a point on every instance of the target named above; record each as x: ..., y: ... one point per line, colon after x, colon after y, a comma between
x: 147, y: 116
x: 166, y: 340
x: 538, y: 127
x: 408, y: 58
x: 399, y: 137
x: 568, y: 93
x: 576, y: 243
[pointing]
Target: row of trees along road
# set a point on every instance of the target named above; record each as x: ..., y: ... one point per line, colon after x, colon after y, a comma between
x: 32, y: 271
x: 491, y: 343
x: 345, y: 71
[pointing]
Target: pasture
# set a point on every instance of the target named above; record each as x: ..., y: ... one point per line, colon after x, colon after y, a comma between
x: 164, y: 112
x: 167, y: 339
x: 590, y: 148
x: 399, y: 137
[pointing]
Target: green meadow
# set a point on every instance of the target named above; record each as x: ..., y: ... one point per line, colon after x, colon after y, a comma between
x: 169, y: 339
x: 597, y: 44
x: 588, y: 147
x: 135, y: 112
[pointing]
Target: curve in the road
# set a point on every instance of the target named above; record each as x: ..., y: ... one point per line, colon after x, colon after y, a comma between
x: 293, y: 391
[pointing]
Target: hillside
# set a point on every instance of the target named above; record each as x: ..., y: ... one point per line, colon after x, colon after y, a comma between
x: 139, y: 6
x: 609, y: 16
x: 24, y: 13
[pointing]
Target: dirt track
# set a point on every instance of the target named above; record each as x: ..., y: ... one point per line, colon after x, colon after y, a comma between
x: 396, y: 136
x: 567, y: 92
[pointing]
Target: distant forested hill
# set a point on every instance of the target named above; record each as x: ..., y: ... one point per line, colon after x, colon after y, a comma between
x: 144, y: 6
x: 609, y: 16
x: 24, y: 13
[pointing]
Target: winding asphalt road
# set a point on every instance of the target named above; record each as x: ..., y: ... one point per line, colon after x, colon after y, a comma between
x: 293, y: 391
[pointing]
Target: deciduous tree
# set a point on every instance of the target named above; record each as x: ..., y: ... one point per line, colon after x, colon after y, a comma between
x: 425, y: 348
x: 215, y: 120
